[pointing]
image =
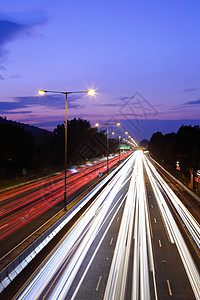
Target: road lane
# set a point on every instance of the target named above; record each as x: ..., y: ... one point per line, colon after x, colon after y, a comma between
x: 127, y: 245
x: 18, y: 209
x: 56, y: 276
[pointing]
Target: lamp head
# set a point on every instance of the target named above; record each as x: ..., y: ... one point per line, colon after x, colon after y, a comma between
x: 41, y: 92
x: 91, y: 92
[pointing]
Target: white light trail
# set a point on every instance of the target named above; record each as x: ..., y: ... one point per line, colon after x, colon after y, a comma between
x: 189, y: 221
x: 134, y: 224
x: 159, y: 184
x: 54, y: 280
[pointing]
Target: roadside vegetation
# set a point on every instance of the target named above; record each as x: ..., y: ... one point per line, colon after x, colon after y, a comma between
x: 22, y: 156
x: 178, y: 152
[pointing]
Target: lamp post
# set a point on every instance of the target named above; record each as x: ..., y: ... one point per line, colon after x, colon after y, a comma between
x: 119, y: 147
x: 97, y: 125
x: 89, y: 92
x: 119, y: 143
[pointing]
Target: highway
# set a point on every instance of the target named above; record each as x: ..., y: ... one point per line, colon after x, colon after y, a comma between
x: 136, y: 240
x: 20, y: 206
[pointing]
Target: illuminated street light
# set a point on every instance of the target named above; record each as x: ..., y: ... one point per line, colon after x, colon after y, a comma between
x: 89, y: 92
x: 41, y: 92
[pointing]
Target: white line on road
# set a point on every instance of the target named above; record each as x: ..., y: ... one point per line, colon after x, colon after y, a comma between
x: 97, y: 248
x: 111, y: 241
x: 169, y: 288
x: 159, y: 241
x: 155, y: 220
x: 98, y: 283
x: 118, y: 219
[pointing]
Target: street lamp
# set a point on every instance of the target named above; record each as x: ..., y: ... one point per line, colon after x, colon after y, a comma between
x: 97, y: 125
x: 119, y: 147
x: 89, y: 92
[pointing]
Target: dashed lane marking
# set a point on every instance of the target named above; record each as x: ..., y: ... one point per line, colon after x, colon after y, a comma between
x: 169, y: 288
x: 98, y: 283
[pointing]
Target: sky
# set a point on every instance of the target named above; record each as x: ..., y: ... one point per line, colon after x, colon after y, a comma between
x: 142, y: 57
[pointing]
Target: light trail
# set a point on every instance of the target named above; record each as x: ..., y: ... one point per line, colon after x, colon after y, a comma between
x: 133, y: 250
x: 134, y: 224
x: 158, y: 185
x: 19, y: 212
x: 54, y: 279
x: 187, y: 218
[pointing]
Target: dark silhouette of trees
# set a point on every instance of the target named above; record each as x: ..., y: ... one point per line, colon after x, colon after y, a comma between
x: 183, y: 146
x: 84, y: 142
x: 144, y: 143
x: 20, y: 148
x: 17, y: 149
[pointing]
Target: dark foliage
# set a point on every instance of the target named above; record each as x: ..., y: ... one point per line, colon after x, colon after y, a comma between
x: 144, y: 143
x: 183, y: 146
x: 19, y: 148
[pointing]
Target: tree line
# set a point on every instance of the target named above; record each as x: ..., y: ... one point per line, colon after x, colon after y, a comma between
x: 182, y: 147
x: 19, y: 150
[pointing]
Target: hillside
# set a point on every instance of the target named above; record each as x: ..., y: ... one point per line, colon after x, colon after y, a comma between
x: 40, y: 136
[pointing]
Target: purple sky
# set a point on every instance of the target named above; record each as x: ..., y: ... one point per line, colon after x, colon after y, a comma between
x: 143, y: 57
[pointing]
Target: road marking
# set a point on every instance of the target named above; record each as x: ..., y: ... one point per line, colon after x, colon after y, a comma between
x: 111, y: 241
x: 98, y: 283
x: 159, y: 241
x: 98, y: 246
x: 4, y: 226
x: 155, y: 220
x: 169, y: 288
x: 117, y: 219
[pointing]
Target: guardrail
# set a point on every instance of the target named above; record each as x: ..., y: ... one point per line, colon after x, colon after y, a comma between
x: 19, y: 263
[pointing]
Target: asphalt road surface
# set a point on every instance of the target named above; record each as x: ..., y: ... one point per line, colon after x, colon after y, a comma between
x: 137, y: 240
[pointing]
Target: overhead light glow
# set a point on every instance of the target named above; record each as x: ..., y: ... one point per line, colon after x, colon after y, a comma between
x: 91, y: 92
x: 41, y: 92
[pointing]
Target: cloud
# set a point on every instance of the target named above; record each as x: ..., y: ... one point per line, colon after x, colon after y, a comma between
x: 16, y: 112
x: 22, y: 105
x: 108, y: 104
x: 16, y: 25
x: 190, y: 90
x: 31, y: 18
x: 195, y: 103
x: 10, y: 31
x: 1, y: 77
